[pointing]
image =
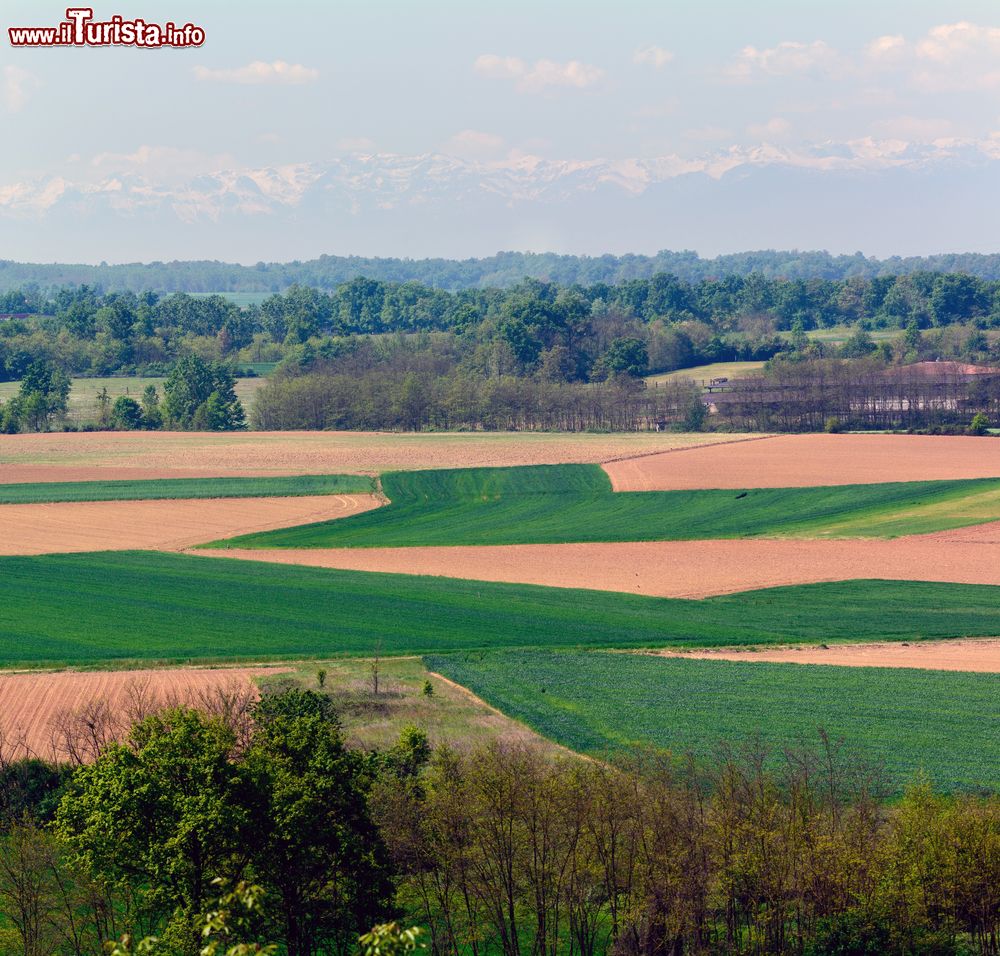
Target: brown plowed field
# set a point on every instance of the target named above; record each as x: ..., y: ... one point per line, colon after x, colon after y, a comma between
x: 162, y: 525
x: 982, y: 656
x: 688, y: 569
x: 33, y: 706
x: 137, y: 455
x: 799, y: 461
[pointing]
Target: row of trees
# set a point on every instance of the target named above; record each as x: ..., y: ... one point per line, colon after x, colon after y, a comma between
x: 500, y: 850
x: 199, y: 396
x: 414, y: 400
x: 679, y: 323
x: 752, y: 853
x: 500, y: 271
x: 811, y: 395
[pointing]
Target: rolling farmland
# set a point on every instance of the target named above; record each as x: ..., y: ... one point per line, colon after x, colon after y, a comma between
x: 43, y: 492
x: 147, y: 606
x: 575, y: 503
x: 946, y: 725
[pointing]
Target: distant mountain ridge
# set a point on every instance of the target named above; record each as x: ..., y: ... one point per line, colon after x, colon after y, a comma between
x: 883, y: 196
x: 499, y: 271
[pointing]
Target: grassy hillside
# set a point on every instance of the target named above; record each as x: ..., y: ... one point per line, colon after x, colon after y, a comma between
x: 174, y: 488
x: 700, y: 373
x: 945, y: 724
x: 89, y: 608
x: 551, y: 504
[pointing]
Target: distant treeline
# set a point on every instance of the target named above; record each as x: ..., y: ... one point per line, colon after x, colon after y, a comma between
x: 373, y: 354
x: 500, y: 271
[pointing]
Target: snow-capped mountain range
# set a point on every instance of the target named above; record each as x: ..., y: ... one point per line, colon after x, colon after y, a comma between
x: 430, y: 204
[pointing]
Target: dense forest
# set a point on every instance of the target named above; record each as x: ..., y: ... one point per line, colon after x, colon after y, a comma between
x: 502, y: 851
x: 373, y: 354
x: 500, y: 271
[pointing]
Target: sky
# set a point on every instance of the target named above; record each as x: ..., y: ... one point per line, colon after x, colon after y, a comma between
x: 301, y: 128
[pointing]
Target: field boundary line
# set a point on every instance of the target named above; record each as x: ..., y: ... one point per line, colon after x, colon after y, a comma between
x: 671, y: 451
x: 476, y: 699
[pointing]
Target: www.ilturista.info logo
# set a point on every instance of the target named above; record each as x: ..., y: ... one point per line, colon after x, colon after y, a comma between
x: 81, y: 29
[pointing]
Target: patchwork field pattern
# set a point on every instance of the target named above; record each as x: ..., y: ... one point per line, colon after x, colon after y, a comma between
x: 146, y: 455
x: 88, y: 608
x: 690, y: 517
x: 553, y: 504
x: 908, y: 721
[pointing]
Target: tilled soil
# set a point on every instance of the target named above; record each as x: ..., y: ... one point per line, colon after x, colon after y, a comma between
x: 982, y: 656
x: 162, y: 525
x: 686, y: 569
x: 140, y: 455
x: 37, y: 710
x: 801, y: 461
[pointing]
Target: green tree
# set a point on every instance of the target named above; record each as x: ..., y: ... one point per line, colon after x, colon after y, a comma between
x: 160, y: 819
x: 979, y: 425
x: 627, y: 356
x: 103, y: 403
x: 202, y: 394
x: 126, y: 414
x: 44, y: 392
x: 317, y: 851
x: 10, y: 417
x: 152, y: 414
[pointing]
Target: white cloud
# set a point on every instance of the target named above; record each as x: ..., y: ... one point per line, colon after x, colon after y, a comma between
x: 533, y: 77
x: 787, y: 59
x: 260, y: 72
x: 16, y: 84
x: 887, y: 49
x: 500, y: 67
x: 958, y: 57
x: 653, y: 56
x: 952, y: 42
x: 473, y: 143
x: 775, y: 128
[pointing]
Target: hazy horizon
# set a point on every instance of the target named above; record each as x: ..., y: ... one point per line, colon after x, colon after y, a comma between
x: 383, y: 129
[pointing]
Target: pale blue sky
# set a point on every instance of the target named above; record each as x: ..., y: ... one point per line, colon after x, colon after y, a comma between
x: 489, y: 83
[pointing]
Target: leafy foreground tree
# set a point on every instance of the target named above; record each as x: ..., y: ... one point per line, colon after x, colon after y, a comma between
x: 231, y: 919
x: 182, y: 804
x: 321, y: 854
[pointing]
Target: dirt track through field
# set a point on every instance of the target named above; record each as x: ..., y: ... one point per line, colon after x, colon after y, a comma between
x: 33, y: 705
x: 163, y: 525
x: 687, y: 569
x: 800, y: 461
x: 981, y: 656
x: 145, y: 455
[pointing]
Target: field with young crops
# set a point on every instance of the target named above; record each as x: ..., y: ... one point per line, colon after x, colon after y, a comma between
x: 91, y: 608
x: 553, y: 504
x: 945, y: 725
x: 184, y: 488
